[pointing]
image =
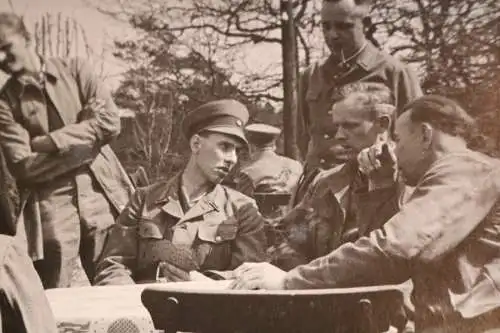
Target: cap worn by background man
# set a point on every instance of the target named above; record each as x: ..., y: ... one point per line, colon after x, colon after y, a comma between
x: 262, y: 134
x: 226, y: 116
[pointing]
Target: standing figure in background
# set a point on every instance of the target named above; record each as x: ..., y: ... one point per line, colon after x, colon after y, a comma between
x: 56, y: 120
x: 266, y: 171
x: 353, y: 58
x: 268, y: 177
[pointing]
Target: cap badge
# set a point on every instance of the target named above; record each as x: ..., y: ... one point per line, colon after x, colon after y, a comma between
x: 239, y: 123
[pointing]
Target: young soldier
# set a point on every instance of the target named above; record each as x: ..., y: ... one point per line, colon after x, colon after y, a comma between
x: 190, y: 222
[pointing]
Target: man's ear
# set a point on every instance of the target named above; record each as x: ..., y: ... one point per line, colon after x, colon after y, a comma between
x: 384, y: 122
x: 195, y: 143
x: 427, y: 132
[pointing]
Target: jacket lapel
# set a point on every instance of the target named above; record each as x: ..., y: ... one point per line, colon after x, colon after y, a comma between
x: 59, y: 93
x: 30, y: 116
x: 170, y: 198
x: 205, y: 205
x: 172, y: 206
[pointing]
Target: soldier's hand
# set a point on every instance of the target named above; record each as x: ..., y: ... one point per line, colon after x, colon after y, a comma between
x: 93, y: 107
x: 379, y: 163
x: 258, y: 276
x: 170, y: 273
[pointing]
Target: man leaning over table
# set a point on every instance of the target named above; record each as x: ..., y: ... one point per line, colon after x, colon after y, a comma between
x: 56, y: 120
x: 445, y: 238
x: 331, y: 212
x: 190, y: 222
x: 23, y: 305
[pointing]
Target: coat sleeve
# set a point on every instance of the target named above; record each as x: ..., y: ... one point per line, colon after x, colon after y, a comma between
x: 250, y: 242
x: 374, y: 208
x: 28, y: 166
x: 24, y: 306
x: 118, y: 261
x: 444, y: 209
x: 92, y: 129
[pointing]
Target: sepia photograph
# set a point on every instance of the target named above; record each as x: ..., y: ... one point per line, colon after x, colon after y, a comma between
x: 249, y: 166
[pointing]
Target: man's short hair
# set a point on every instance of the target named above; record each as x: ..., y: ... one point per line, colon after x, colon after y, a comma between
x: 15, y: 23
x: 356, y: 2
x: 363, y: 6
x: 374, y: 97
x: 441, y: 113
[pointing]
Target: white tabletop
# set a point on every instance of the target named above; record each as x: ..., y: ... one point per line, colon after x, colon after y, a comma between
x: 108, y: 309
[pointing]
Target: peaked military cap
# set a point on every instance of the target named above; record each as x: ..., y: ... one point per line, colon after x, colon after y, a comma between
x: 262, y: 134
x: 226, y: 116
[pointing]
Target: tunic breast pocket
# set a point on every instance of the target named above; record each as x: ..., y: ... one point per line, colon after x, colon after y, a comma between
x: 214, y: 245
x: 151, y: 242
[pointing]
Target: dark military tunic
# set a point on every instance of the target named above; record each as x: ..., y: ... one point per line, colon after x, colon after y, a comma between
x: 220, y: 232
x: 332, y: 213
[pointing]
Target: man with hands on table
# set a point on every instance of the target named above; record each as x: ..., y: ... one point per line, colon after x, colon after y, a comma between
x: 445, y: 238
x: 190, y: 222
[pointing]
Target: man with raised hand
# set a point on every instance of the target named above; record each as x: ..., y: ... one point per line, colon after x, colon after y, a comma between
x: 445, y: 238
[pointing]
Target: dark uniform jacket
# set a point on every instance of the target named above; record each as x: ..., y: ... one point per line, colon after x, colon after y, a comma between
x: 220, y: 232
x: 81, y: 142
x: 23, y: 305
x: 446, y: 238
x: 332, y: 212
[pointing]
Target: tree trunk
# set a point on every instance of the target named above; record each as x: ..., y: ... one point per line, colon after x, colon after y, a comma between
x: 289, y: 58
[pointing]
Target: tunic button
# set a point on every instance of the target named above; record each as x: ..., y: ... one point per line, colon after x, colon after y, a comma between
x: 326, y: 136
x: 322, y: 161
x: 218, y: 239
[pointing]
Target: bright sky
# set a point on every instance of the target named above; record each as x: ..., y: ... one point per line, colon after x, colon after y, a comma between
x: 101, y: 30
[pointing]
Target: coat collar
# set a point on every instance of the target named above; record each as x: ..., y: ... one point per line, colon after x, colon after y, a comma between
x: 49, y: 73
x: 15, y: 88
x: 169, y: 199
x: 367, y: 60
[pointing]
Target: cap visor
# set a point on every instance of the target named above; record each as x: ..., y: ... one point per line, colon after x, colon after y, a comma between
x: 229, y: 130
